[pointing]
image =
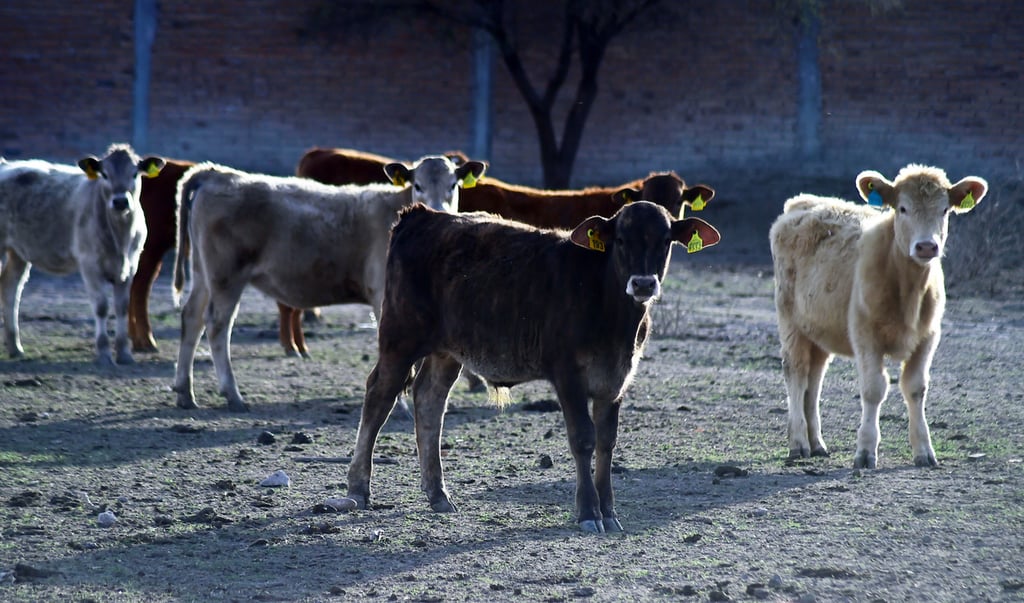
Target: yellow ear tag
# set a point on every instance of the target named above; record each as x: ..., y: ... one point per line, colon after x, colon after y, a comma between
x: 398, y: 180
x: 152, y: 171
x: 628, y: 197
x: 595, y: 240
x: 696, y: 243
x: 469, y: 181
x: 968, y: 201
x: 90, y: 173
x: 698, y: 203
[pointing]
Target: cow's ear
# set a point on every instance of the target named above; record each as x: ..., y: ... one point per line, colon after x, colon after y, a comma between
x: 593, y: 233
x: 876, y: 190
x: 967, y: 193
x: 627, y: 195
x: 398, y: 173
x: 695, y: 233
x: 150, y: 166
x: 91, y: 166
x: 469, y: 172
x: 697, y: 196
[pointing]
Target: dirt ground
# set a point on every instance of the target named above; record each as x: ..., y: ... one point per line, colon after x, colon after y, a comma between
x: 711, y: 509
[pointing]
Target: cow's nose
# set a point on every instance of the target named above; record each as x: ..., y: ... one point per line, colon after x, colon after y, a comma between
x: 119, y: 203
x: 926, y: 250
x: 642, y: 288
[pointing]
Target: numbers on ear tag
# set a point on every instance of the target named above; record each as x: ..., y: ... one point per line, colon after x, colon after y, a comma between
x: 594, y: 240
x: 469, y: 181
x: 696, y: 243
x: 875, y: 199
x: 968, y: 201
x: 699, y: 203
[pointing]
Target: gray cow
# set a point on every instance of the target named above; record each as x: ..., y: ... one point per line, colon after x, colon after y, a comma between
x: 301, y: 242
x: 64, y: 219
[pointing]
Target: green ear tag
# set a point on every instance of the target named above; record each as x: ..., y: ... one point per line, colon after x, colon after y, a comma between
x: 152, y: 171
x: 698, y: 203
x: 968, y: 201
x: 595, y: 240
x: 696, y: 243
x: 469, y: 181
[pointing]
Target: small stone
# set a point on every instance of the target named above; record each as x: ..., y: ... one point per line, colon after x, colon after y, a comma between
x: 760, y: 512
x: 106, y: 519
x: 302, y: 438
x: 730, y: 471
x: 277, y: 479
x: 336, y: 505
x: 545, y: 462
x: 266, y: 438
x: 775, y: 582
x: 583, y: 592
x: 717, y: 595
x: 807, y: 598
x: 163, y: 520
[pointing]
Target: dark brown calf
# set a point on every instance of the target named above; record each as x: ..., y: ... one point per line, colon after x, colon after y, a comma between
x: 515, y: 304
x: 161, y: 211
x: 565, y: 209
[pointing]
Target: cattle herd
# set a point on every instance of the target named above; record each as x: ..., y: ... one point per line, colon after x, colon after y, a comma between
x: 468, y: 273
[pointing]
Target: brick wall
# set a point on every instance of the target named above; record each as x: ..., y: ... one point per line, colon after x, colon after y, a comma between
x: 708, y: 89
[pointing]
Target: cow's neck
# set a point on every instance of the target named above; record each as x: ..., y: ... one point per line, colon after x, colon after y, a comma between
x: 630, y: 319
x: 114, y: 231
x: 913, y: 283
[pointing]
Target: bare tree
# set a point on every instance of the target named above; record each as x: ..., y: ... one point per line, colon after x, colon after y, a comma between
x: 587, y: 28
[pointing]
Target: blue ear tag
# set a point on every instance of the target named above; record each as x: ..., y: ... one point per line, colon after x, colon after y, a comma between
x: 875, y: 200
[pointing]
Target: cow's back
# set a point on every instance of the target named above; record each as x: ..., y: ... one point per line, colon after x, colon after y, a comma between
x: 286, y: 233
x: 815, y: 248
x: 38, y: 212
x: 497, y: 295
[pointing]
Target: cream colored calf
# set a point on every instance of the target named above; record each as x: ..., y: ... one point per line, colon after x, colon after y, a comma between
x: 860, y: 282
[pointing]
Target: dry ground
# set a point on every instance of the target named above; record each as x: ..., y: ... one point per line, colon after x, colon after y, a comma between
x: 193, y: 523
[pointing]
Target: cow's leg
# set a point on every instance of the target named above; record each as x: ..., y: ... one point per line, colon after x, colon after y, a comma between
x: 122, y: 345
x: 430, y: 396
x: 139, y: 329
x: 573, y: 398
x: 387, y: 379
x: 192, y: 327
x: 874, y: 385
x: 13, y: 275
x: 817, y: 365
x: 284, y: 329
x: 100, y: 309
x: 914, y: 378
x: 298, y: 334
x: 220, y: 317
x: 797, y: 369
x: 606, y: 421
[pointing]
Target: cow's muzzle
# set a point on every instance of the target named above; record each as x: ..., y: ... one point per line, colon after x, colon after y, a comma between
x: 643, y: 288
x: 119, y: 203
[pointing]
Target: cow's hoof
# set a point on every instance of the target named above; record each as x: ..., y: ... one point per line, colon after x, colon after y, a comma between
x: 362, y: 502
x: 796, y: 454
x: 105, y: 360
x: 145, y: 347
x: 444, y: 506
x: 927, y: 460
x: 864, y: 460
x: 291, y: 353
x: 237, y: 406
x: 611, y: 524
x: 186, y: 401
x: 305, y: 354
x: 822, y: 451
x: 592, y: 526
x: 125, y: 359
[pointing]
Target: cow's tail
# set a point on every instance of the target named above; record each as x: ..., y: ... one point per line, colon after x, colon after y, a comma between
x: 187, y: 188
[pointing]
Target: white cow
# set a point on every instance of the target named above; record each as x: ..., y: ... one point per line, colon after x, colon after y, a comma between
x: 301, y: 242
x: 63, y: 219
x: 866, y: 283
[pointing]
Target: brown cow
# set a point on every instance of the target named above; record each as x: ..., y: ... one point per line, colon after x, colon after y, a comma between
x: 160, y: 207
x: 565, y: 209
x: 513, y: 304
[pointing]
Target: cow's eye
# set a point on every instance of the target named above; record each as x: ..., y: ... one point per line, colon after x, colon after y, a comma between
x: 416, y: 187
x: 903, y: 209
